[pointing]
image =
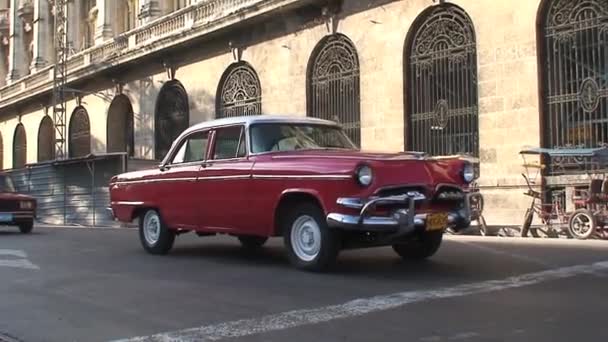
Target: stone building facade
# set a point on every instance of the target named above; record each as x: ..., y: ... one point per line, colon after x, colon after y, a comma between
x: 462, y: 76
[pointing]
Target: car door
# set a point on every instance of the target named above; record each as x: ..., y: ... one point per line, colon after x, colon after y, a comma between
x: 225, y: 180
x: 178, y: 198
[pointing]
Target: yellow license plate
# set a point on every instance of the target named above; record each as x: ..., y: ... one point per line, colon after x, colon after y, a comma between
x: 437, y: 221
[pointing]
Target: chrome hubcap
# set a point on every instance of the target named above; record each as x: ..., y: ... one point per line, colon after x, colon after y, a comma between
x: 581, y: 224
x: 306, y: 238
x: 151, y: 228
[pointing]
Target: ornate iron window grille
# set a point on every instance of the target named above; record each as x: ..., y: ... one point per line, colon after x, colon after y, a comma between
x: 79, y: 133
x: 239, y: 92
x: 575, y: 74
x: 46, y: 140
x: 120, y: 132
x: 19, y: 147
x: 441, y: 75
x: 333, y: 87
x: 172, y: 116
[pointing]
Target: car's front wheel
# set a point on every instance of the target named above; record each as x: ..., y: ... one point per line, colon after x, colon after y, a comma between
x: 311, y: 245
x: 155, y: 236
x: 26, y: 227
x: 424, y: 246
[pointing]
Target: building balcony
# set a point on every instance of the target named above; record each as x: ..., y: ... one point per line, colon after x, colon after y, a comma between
x: 192, y: 22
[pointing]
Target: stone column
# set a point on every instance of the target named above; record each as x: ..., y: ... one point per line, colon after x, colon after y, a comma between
x: 75, y: 26
x: 17, y: 61
x: 4, y: 40
x: 106, y: 19
x: 43, y: 35
x: 150, y: 10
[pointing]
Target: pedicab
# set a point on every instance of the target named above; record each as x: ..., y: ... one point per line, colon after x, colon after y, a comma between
x: 584, y: 171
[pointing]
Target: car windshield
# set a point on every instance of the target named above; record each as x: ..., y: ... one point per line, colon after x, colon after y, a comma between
x: 6, y: 184
x: 269, y: 137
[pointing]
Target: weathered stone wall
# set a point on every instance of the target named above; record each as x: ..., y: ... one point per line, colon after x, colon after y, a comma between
x: 507, y: 72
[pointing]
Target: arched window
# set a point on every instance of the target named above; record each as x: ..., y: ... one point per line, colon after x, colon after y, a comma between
x: 239, y: 92
x: 46, y: 140
x: 79, y: 133
x: 574, y: 55
x: 120, y: 126
x: 440, y: 68
x: 332, y: 84
x: 172, y: 116
x: 19, y: 147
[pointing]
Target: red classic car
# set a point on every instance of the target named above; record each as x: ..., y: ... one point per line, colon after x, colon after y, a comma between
x: 15, y: 209
x: 299, y: 178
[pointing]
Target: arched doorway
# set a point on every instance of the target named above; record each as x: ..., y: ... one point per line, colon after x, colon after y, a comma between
x: 79, y: 136
x: 19, y: 147
x: 440, y: 68
x: 46, y: 140
x: 120, y: 126
x: 573, y: 43
x: 172, y: 116
x: 332, y: 84
x: 239, y: 92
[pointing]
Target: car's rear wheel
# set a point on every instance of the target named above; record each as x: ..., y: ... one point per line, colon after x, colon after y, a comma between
x: 252, y: 242
x: 155, y: 236
x: 26, y: 227
x: 425, y: 245
x: 311, y: 244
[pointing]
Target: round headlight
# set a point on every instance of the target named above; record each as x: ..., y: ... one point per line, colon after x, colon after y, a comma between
x: 365, y: 175
x: 468, y: 173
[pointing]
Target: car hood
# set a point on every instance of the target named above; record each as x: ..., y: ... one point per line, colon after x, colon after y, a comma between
x: 14, y: 196
x: 390, y: 169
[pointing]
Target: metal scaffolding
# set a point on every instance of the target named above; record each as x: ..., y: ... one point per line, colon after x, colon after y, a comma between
x: 60, y: 76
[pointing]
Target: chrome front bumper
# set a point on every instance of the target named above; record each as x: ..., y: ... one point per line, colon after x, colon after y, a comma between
x: 403, y: 220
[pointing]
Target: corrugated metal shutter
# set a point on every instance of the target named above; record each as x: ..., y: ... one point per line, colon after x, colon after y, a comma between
x: 85, y: 183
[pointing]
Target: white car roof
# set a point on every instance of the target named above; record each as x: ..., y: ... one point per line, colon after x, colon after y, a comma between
x: 252, y: 119
x: 248, y: 120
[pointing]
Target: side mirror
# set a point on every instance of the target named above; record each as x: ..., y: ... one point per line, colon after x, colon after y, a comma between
x: 163, y: 167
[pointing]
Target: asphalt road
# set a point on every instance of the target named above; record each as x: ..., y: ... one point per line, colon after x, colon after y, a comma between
x: 77, y: 284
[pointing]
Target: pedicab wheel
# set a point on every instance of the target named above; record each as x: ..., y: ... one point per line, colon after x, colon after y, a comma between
x: 525, y: 228
x: 582, y: 224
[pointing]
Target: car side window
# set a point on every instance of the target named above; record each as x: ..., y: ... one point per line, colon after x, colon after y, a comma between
x: 192, y: 149
x: 229, y: 143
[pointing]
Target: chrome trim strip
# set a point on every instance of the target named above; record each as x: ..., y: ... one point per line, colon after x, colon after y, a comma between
x: 321, y: 177
x: 224, y: 177
x: 350, y: 202
x: 128, y: 203
x: 327, y: 177
x: 184, y: 179
x: 358, y: 203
